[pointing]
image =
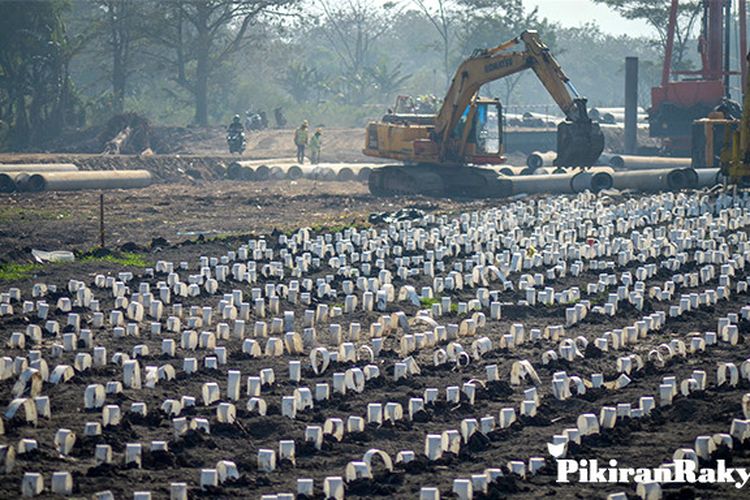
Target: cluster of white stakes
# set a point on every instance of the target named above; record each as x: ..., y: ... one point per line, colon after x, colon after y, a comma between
x: 339, y: 300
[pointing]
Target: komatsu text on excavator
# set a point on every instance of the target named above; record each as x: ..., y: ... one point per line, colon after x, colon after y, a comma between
x: 442, y: 153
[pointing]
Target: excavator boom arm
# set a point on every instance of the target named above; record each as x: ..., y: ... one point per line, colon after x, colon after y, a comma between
x: 488, y: 65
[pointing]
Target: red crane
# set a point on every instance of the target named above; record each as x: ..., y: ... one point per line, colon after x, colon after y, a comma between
x: 685, y: 96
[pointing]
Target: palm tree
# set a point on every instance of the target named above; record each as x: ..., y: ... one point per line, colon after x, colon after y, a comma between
x: 388, y: 80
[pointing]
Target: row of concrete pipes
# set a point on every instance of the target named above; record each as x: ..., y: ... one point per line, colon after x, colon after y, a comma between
x: 671, y: 176
x: 35, y: 178
x: 596, y: 179
x: 539, y: 159
x: 254, y: 171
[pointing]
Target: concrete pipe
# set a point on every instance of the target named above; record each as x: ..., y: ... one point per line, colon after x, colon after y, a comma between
x: 13, y: 181
x: 285, y: 171
x: 277, y: 172
x: 38, y: 167
x: 665, y: 179
x: 708, y: 177
x: 363, y: 173
x: 247, y: 174
x: 323, y: 173
x: 509, y: 171
x: 319, y: 172
x: 7, y: 182
x: 594, y: 179
x: 241, y: 171
x: 344, y: 174
x: 262, y: 173
x: 538, y: 159
x: 691, y: 177
x: 532, y: 184
x: 75, y: 181
x: 294, y: 172
x: 548, y: 171
x: 248, y: 170
x: 629, y: 162
x: 233, y: 171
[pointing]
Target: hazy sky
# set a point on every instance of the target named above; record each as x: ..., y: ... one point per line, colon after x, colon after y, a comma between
x: 577, y: 12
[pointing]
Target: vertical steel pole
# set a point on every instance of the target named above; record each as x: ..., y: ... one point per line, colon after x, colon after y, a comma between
x: 667, y: 67
x: 727, y: 43
x: 631, y: 105
x: 101, y: 220
x: 743, y: 42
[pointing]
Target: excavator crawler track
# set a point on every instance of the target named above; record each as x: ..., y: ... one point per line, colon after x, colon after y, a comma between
x: 438, y: 181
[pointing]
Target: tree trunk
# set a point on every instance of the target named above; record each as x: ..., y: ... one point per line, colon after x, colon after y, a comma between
x: 118, y: 83
x: 201, y: 87
x: 22, y: 121
x: 116, y: 145
x: 446, y: 68
x: 202, y: 68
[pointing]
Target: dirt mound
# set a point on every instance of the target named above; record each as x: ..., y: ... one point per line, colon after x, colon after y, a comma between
x: 127, y: 133
x: 339, y: 144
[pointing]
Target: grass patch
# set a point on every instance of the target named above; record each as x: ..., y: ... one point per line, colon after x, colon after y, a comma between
x: 429, y: 302
x: 336, y: 227
x: 13, y: 271
x: 10, y: 214
x: 122, y: 259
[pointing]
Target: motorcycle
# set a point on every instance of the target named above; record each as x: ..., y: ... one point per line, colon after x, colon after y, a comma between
x: 236, y: 142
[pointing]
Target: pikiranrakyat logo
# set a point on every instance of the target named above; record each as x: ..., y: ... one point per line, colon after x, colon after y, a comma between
x: 683, y: 471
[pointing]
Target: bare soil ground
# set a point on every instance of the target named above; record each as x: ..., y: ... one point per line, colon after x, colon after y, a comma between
x: 182, y: 211
x: 191, y: 213
x: 170, y: 211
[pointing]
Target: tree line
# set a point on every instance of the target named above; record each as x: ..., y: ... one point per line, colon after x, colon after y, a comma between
x: 73, y: 63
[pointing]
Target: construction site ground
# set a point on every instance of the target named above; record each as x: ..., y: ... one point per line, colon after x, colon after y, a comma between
x: 185, y: 216
x: 182, y: 211
x: 191, y: 198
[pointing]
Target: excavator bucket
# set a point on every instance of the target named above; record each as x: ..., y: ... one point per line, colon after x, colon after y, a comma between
x: 578, y: 144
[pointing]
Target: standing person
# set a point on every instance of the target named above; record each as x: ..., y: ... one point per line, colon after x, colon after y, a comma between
x: 300, y: 140
x: 315, y: 144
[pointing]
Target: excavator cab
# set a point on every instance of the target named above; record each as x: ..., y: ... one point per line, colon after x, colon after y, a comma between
x: 411, y: 137
x: 481, y: 143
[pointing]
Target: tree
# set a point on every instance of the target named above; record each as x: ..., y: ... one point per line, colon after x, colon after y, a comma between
x: 300, y: 80
x: 656, y: 14
x: 488, y: 23
x: 201, y: 35
x: 37, y: 99
x: 388, y: 80
x: 121, y: 23
x: 442, y: 19
x: 352, y: 32
x: 115, y: 26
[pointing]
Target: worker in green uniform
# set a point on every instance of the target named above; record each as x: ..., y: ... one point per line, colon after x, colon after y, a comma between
x: 300, y: 140
x: 315, y: 144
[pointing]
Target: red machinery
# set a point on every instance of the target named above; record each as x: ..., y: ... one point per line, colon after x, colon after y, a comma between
x: 675, y: 104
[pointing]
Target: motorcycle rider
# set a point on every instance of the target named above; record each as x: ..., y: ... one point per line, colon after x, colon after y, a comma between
x: 236, y: 132
x: 235, y: 128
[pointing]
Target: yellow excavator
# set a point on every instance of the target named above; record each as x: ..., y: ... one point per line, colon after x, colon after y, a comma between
x: 442, y: 153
